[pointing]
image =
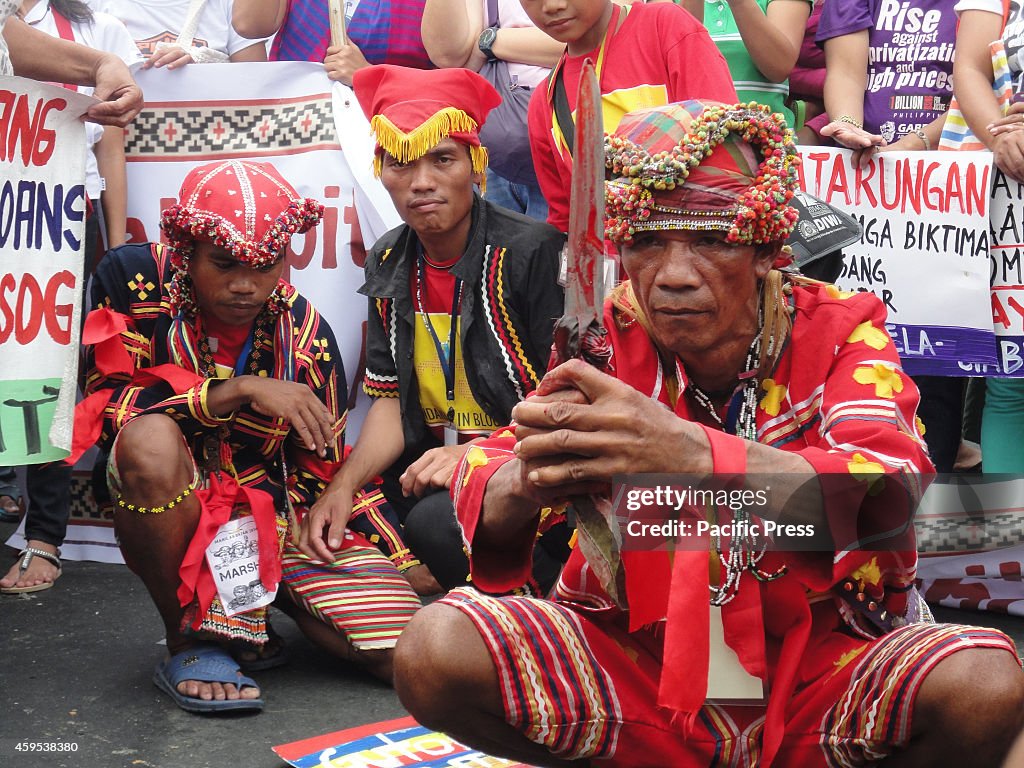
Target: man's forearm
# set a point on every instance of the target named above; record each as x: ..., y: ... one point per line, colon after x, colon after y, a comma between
x: 36, y: 55
x: 509, y: 513
x: 227, y: 396
x: 380, y: 444
x: 258, y: 18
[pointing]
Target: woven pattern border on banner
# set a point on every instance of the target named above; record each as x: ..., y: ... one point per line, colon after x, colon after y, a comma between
x: 225, y: 129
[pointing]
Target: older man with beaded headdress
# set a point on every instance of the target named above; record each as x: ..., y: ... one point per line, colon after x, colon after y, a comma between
x: 219, y: 394
x: 741, y: 378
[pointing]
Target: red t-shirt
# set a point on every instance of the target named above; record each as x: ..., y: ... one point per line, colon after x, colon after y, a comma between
x: 226, y: 344
x: 660, y: 54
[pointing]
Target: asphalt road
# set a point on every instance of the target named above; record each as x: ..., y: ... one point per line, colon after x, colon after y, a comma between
x: 76, y: 663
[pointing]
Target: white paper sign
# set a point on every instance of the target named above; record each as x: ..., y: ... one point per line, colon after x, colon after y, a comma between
x: 728, y: 681
x: 234, y: 559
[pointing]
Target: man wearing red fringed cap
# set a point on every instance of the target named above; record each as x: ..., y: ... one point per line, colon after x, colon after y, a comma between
x: 462, y: 301
x: 218, y: 393
x: 758, y: 609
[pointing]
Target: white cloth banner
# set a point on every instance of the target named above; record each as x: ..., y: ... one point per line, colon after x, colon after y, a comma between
x: 1007, y: 276
x: 924, y: 249
x: 42, y: 225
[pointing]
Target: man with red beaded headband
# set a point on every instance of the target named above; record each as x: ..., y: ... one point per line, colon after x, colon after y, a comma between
x: 218, y: 393
x: 671, y: 648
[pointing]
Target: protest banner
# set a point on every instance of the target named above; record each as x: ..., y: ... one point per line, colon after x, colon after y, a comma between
x: 392, y: 744
x: 1007, y: 277
x: 42, y: 224
x: 924, y: 249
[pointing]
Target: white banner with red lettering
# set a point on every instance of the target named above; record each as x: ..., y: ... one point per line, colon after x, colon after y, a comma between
x: 42, y: 225
x: 924, y: 249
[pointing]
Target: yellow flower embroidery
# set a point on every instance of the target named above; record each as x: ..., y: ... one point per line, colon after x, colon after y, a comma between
x: 870, y: 335
x: 869, y: 471
x: 920, y: 425
x: 869, y: 573
x: 847, y: 657
x: 885, y: 378
x: 835, y: 293
x: 772, y: 401
x: 475, y: 457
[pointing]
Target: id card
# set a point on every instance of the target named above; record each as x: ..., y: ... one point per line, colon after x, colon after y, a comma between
x: 451, y: 435
x: 728, y: 681
x: 234, y: 560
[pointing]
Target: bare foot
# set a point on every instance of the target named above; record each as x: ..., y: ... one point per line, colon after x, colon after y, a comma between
x: 422, y: 580
x: 968, y: 456
x: 197, y: 689
x: 40, y: 570
x: 210, y: 691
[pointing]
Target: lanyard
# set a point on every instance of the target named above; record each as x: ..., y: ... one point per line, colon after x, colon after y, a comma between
x: 447, y: 361
x: 243, y: 356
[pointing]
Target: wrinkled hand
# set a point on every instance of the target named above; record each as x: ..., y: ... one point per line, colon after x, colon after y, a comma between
x: 432, y: 470
x: 342, y: 61
x: 121, y: 98
x: 170, y: 55
x: 323, y: 528
x: 299, y: 406
x: 1008, y: 153
x: 575, y: 444
x: 864, y: 144
x: 1012, y: 121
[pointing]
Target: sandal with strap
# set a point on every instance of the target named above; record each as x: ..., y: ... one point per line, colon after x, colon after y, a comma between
x: 26, y: 556
x: 208, y: 664
x: 11, y: 508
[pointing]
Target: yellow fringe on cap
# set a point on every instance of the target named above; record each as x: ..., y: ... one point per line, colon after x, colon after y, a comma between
x: 405, y: 147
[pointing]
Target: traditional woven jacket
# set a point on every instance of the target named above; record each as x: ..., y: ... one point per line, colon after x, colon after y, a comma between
x: 510, y: 302
x: 130, y: 343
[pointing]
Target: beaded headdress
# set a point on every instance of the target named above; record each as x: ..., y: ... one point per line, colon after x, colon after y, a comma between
x: 697, y: 165
x: 412, y: 110
x: 244, y: 207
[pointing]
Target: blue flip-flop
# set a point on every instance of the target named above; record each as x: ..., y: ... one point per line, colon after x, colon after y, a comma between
x: 208, y: 664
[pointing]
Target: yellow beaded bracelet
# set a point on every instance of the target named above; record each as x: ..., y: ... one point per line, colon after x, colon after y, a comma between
x: 850, y: 120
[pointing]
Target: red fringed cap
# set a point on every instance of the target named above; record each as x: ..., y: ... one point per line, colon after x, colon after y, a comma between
x: 697, y: 165
x: 412, y: 110
x: 244, y: 207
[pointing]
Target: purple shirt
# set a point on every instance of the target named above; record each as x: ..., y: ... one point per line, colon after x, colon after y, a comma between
x: 910, y: 58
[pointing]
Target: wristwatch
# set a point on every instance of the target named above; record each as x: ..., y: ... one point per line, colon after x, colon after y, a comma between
x: 486, y: 41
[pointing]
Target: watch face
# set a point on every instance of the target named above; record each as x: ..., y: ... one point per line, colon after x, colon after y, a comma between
x: 487, y: 40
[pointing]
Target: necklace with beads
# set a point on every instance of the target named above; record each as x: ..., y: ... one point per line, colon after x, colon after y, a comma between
x: 216, y: 451
x: 746, y: 550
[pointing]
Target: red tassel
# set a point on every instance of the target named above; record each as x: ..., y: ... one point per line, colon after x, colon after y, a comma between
x: 88, y: 423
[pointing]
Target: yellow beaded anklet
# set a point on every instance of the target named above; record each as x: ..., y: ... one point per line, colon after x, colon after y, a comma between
x: 169, y: 505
